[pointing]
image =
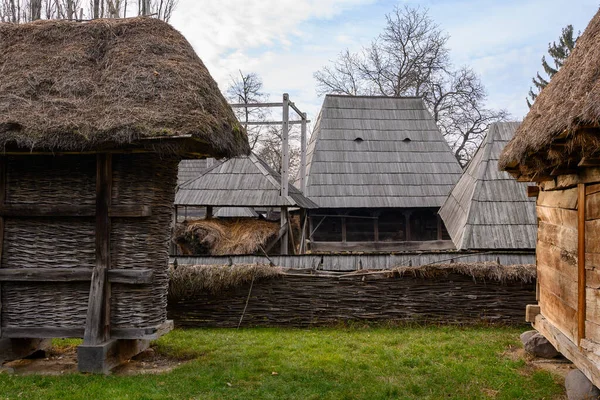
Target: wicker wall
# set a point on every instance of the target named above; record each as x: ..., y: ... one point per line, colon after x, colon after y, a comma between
x: 140, y: 179
x: 307, y: 300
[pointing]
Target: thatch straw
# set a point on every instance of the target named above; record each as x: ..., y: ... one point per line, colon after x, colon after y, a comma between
x: 489, y: 271
x: 86, y: 86
x: 224, y: 237
x: 189, y: 280
x: 571, y: 101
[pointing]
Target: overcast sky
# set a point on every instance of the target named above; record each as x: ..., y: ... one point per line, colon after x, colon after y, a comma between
x: 286, y: 41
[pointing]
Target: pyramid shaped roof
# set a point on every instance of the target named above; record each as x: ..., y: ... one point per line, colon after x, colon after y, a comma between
x: 488, y: 209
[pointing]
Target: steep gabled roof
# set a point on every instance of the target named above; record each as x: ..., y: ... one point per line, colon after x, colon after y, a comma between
x: 488, y: 209
x: 72, y: 86
x: 378, y: 152
x: 245, y: 181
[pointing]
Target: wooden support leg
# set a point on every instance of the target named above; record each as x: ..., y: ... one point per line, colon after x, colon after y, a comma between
x: 96, y: 338
x: 101, y: 358
x: 14, y: 349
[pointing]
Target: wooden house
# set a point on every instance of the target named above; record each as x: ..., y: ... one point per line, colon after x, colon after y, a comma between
x: 558, y: 147
x: 379, y: 169
x: 94, y: 119
x: 488, y: 209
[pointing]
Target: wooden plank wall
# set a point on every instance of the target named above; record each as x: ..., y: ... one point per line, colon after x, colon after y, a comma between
x: 592, y: 261
x: 569, y: 290
x: 557, y: 258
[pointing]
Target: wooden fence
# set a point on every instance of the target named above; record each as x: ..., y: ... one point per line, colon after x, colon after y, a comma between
x: 302, y: 300
x: 354, y: 262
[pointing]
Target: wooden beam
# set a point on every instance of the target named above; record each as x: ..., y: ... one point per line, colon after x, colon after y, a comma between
x: 581, y: 263
x: 16, y: 349
x: 533, y: 191
x: 439, y: 228
x: 59, y: 210
x: 407, y: 215
x: 589, y: 162
x: 2, y: 200
x: 97, y: 323
x: 126, y: 276
x: 129, y: 211
x: 430, y: 245
x: 281, y: 232
x: 577, y: 355
x: 344, y: 230
x: 146, y: 333
x: 563, y: 170
x: 531, y: 311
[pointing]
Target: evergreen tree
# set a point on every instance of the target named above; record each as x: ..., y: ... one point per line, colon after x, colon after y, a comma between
x: 559, y: 52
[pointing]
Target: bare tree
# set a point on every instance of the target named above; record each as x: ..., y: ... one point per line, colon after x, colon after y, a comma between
x: 270, y: 150
x: 411, y: 58
x: 247, y: 89
x: 18, y: 11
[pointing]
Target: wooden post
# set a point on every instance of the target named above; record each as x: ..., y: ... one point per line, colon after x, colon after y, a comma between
x: 285, y: 153
x: 407, y: 222
x: 97, y: 323
x: 285, y: 237
x: 209, y: 212
x: 581, y: 263
x: 2, y: 200
x: 376, y: 226
x: 303, y: 155
x: 285, y: 161
x: 343, y: 229
x: 440, y: 235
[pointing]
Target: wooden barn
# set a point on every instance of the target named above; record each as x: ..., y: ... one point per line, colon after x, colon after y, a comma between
x: 94, y: 119
x: 558, y: 147
x: 488, y: 209
x: 379, y: 169
x: 239, y: 185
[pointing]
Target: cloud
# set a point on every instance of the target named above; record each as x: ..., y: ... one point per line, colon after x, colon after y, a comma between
x: 286, y: 41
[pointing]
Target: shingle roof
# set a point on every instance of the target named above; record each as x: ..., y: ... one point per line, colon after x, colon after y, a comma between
x: 236, y: 212
x: 191, y: 169
x: 245, y: 181
x: 488, y: 209
x: 378, y: 152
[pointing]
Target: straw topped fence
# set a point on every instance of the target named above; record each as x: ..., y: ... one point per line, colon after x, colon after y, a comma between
x: 261, y: 295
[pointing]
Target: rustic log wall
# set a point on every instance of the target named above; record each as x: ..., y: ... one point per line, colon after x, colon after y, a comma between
x: 298, y: 300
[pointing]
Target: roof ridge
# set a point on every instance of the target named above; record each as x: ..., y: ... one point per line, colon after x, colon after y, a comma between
x: 487, y: 149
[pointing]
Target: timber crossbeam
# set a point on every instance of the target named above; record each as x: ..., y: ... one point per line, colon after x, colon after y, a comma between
x: 126, y: 276
x: 41, y: 332
x: 34, y: 210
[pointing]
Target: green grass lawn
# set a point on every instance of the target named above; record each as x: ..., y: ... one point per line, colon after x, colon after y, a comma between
x: 336, y: 363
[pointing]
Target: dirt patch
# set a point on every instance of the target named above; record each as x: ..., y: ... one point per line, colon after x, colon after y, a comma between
x: 559, y: 367
x: 63, y: 360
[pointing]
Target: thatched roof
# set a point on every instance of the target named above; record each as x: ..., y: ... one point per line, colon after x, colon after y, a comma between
x: 566, y: 114
x: 488, y: 209
x: 70, y: 86
x: 376, y: 152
